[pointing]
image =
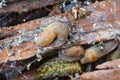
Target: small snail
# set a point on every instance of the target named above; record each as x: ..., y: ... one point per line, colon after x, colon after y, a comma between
x: 56, y: 30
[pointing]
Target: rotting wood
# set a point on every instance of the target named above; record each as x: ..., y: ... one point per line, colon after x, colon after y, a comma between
x: 25, y: 10
x: 11, y: 1
x: 23, y: 51
x: 109, y: 64
x: 112, y: 74
x: 26, y: 75
x: 27, y: 5
x: 102, y: 24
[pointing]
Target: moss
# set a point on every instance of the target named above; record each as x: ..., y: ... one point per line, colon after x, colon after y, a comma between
x: 57, y: 68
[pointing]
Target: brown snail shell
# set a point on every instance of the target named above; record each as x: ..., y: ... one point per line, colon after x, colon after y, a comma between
x: 56, y: 30
x: 73, y: 53
x: 95, y: 52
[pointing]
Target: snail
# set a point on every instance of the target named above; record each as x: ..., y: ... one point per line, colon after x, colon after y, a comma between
x: 93, y: 53
x: 56, y: 30
x: 73, y: 53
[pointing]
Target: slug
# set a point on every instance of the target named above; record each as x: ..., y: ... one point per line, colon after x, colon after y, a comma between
x: 93, y: 53
x: 73, y: 53
x: 114, y: 54
x: 56, y: 32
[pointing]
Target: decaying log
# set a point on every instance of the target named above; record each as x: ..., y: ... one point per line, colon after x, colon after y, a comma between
x: 13, y: 69
x: 17, y: 40
x: 6, y: 34
x: 28, y: 75
x: 23, y: 51
x: 27, y: 5
x: 11, y: 1
x: 102, y: 24
x: 112, y: 74
x: 24, y: 10
x: 109, y: 64
x: 112, y: 71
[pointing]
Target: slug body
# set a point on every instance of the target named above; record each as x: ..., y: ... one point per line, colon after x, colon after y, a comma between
x: 93, y: 53
x: 73, y: 53
x: 114, y: 54
x: 56, y: 30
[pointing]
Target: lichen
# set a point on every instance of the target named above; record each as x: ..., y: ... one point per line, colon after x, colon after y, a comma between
x: 24, y: 36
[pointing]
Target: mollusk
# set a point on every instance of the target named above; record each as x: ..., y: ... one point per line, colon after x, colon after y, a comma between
x: 56, y: 30
x: 88, y: 55
x: 95, y: 52
x: 114, y: 54
x: 73, y: 53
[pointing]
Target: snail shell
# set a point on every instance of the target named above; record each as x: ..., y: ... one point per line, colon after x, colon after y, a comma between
x: 95, y: 52
x: 56, y: 30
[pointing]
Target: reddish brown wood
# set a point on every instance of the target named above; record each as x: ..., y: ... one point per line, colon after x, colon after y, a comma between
x: 105, y: 15
x: 112, y: 74
x: 109, y: 64
x: 28, y: 5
